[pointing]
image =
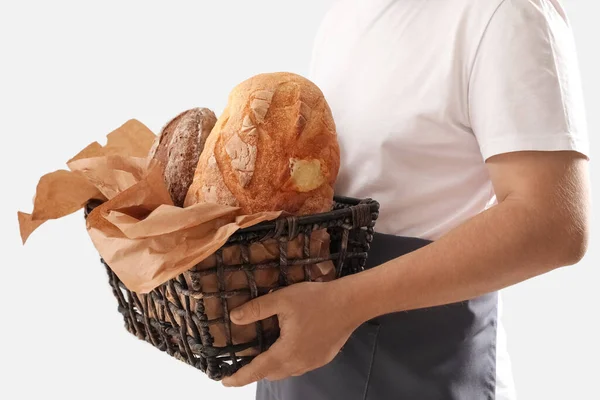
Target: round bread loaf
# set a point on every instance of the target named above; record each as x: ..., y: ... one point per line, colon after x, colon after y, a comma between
x: 178, y: 148
x: 273, y: 148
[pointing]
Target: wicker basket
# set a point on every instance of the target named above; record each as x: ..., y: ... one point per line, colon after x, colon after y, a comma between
x: 173, y: 317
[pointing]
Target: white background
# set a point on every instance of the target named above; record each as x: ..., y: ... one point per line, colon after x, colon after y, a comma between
x: 70, y: 72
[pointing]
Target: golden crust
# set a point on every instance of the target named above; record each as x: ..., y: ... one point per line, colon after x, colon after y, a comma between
x: 273, y: 148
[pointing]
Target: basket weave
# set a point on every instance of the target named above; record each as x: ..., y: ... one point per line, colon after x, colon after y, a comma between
x: 173, y: 316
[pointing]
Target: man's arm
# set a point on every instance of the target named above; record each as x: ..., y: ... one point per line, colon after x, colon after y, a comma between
x: 541, y: 223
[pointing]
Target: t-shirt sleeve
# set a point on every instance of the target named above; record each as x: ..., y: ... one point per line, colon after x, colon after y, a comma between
x: 524, y: 88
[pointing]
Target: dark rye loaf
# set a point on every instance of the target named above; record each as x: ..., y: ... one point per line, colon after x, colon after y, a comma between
x: 178, y: 148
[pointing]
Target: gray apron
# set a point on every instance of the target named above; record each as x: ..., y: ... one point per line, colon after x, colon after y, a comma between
x: 437, y: 353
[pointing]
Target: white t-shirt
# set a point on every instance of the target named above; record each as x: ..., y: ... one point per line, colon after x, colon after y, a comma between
x: 424, y: 91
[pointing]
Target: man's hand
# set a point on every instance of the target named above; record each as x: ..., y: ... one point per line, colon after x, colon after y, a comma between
x: 314, y: 325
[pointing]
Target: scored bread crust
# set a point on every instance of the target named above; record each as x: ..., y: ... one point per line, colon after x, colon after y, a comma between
x: 274, y: 148
x: 178, y: 148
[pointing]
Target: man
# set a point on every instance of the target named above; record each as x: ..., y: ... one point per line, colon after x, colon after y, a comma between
x: 465, y: 120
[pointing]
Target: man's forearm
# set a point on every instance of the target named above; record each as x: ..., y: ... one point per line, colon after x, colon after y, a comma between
x: 504, y: 245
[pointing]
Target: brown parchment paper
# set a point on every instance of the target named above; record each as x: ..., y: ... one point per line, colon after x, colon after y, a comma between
x: 142, y: 236
x: 63, y: 192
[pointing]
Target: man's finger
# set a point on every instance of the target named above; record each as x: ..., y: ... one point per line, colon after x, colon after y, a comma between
x: 257, y: 309
x: 257, y: 370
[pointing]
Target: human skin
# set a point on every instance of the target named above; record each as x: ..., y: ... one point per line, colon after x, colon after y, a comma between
x: 541, y: 223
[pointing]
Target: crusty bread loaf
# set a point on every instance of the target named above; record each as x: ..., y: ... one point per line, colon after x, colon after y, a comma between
x: 178, y: 149
x: 273, y: 148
